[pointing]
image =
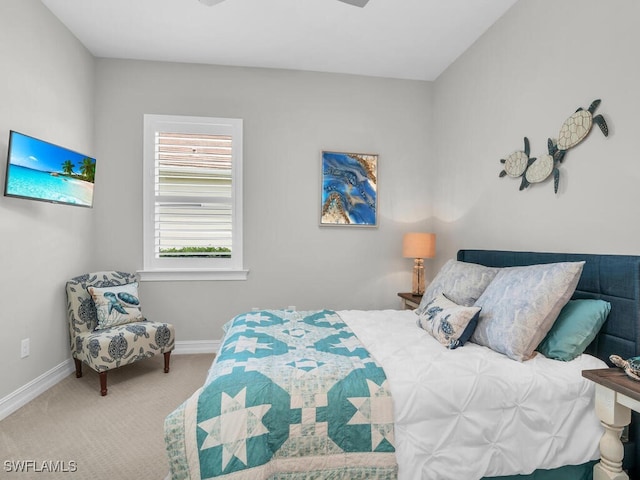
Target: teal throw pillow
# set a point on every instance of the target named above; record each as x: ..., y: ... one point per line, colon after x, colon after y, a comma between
x: 577, y: 325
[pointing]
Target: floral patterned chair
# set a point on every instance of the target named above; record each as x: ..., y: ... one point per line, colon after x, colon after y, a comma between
x: 106, y: 326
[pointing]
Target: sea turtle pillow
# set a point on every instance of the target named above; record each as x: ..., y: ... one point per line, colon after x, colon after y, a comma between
x: 116, y: 305
x: 449, y: 323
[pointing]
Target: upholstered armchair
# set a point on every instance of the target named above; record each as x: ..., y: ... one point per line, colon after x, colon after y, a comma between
x: 106, y: 326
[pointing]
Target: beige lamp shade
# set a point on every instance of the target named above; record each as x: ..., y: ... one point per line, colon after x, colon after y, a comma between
x: 419, y: 245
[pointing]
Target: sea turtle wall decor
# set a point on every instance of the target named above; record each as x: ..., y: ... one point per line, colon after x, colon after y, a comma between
x: 631, y: 366
x: 542, y: 168
x: 577, y: 127
x: 517, y: 162
x: 537, y: 169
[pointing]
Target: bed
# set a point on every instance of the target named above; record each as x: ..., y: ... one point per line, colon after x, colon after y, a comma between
x: 367, y: 394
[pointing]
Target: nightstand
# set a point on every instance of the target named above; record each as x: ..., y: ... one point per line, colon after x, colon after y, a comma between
x: 410, y: 301
x: 616, y: 396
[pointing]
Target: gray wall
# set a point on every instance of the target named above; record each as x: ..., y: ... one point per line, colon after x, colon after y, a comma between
x: 540, y: 62
x: 47, y: 91
x: 289, y: 118
x: 439, y: 147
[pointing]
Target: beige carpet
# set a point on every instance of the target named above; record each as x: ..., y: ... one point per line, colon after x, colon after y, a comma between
x: 119, y: 436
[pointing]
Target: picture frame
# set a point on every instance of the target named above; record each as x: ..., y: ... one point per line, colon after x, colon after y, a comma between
x: 349, y: 189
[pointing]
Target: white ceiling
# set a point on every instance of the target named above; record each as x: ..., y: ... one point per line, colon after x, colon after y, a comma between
x: 410, y: 39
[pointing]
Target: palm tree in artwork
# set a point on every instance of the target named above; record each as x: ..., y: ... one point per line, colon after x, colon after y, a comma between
x: 67, y: 167
x: 88, y: 169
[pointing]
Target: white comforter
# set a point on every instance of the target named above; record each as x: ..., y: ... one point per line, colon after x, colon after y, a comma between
x: 468, y: 413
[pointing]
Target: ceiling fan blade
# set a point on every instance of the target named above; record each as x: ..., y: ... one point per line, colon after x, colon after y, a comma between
x: 357, y: 3
x: 210, y: 3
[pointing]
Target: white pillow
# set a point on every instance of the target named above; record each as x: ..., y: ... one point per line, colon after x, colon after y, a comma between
x: 521, y: 304
x: 461, y: 282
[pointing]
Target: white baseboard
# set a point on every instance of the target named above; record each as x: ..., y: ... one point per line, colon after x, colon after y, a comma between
x: 44, y: 382
x: 186, y: 347
x: 35, y: 387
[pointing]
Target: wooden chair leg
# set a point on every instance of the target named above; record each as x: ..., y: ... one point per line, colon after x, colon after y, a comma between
x: 78, y: 367
x: 167, y: 357
x: 103, y: 383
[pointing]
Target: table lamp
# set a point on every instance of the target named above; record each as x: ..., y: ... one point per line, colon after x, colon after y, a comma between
x: 418, y: 246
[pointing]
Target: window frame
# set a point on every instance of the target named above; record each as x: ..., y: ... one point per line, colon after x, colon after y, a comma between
x: 170, y: 269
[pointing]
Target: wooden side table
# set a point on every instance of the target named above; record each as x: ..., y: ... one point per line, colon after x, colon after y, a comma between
x: 410, y: 301
x: 616, y: 396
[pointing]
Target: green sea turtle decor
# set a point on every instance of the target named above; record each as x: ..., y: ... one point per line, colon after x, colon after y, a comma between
x: 537, y: 169
x: 631, y: 366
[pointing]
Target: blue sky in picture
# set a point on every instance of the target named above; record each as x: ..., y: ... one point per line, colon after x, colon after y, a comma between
x: 37, y: 154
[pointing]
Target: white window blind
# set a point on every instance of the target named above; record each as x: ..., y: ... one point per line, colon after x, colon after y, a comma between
x: 192, y: 193
x: 193, y: 211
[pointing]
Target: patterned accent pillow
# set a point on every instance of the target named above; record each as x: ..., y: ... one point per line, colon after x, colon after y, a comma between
x: 448, y: 322
x: 462, y: 282
x: 116, y: 305
x: 521, y: 304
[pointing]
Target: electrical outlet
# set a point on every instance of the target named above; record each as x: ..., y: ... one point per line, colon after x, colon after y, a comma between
x: 24, y: 348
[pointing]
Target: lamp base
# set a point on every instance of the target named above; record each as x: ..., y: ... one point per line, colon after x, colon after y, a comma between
x: 417, y: 283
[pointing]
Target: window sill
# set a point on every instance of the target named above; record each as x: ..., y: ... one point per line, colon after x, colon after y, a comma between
x: 178, y: 275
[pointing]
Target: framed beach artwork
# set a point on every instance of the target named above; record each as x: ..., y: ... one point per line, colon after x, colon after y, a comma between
x: 349, y: 189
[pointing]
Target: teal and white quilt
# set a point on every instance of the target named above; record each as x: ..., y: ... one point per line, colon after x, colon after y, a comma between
x: 291, y: 395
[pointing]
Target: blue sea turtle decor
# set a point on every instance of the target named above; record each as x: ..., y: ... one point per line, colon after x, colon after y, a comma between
x: 631, y: 366
x: 537, y: 169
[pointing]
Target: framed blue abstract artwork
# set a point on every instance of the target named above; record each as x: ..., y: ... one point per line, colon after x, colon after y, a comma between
x: 349, y: 189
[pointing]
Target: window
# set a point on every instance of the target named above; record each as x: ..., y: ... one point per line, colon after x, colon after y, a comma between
x: 192, y: 198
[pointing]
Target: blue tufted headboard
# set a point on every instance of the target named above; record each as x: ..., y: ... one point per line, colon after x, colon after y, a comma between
x: 614, y: 278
